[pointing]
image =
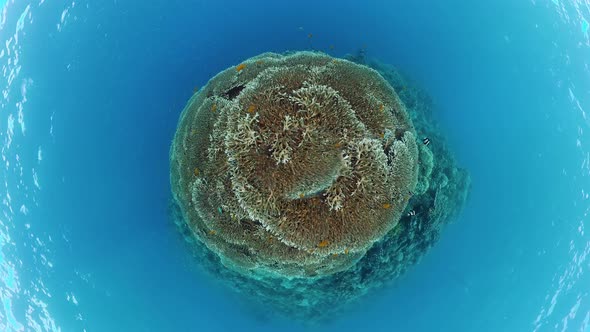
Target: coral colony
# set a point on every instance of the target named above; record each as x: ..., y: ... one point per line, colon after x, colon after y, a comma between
x: 305, y: 181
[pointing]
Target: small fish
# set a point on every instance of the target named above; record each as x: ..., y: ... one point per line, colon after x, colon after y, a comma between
x: 212, y: 232
x: 331, y: 47
x: 323, y: 244
x: 411, y: 213
x: 346, y: 251
x: 240, y: 67
x: 251, y: 108
x: 213, y: 107
x: 220, y: 210
x: 386, y: 206
x: 196, y: 172
x: 196, y: 89
x: 302, y: 195
x: 426, y: 141
x: 382, y: 107
x: 338, y: 145
x: 300, y: 28
x: 335, y: 254
x: 310, y: 35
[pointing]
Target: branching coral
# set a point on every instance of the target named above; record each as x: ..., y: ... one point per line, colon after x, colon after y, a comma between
x: 315, y: 153
x: 286, y: 168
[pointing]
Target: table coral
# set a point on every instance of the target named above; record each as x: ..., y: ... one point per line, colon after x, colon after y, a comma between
x: 317, y: 153
x: 303, y: 181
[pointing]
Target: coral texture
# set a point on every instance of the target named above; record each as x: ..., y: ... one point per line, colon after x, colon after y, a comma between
x: 315, y: 284
x: 295, y: 165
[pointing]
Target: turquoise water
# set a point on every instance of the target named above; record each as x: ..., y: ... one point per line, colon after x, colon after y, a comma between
x: 91, y: 95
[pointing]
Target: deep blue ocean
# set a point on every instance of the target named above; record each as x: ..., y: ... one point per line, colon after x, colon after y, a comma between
x: 91, y: 96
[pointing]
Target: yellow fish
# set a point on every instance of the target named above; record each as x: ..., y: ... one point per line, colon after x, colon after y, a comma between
x: 323, y: 244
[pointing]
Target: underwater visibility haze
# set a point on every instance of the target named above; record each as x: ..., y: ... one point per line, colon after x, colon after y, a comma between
x: 298, y: 166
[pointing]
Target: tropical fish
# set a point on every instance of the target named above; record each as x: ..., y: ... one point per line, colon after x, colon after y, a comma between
x: 426, y: 141
x: 411, y: 213
x: 240, y: 67
x: 386, y: 206
x: 310, y: 35
x: 323, y: 244
x: 213, y: 107
x: 251, y: 108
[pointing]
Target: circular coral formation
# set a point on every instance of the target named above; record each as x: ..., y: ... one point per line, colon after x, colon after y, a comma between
x: 293, y: 165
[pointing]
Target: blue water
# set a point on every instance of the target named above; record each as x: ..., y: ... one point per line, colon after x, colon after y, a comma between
x: 91, y: 94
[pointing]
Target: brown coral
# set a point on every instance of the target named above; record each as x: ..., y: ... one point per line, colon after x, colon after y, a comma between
x: 303, y: 158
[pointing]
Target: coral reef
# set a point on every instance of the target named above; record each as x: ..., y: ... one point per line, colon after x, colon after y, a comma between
x: 294, y: 165
x: 293, y: 177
